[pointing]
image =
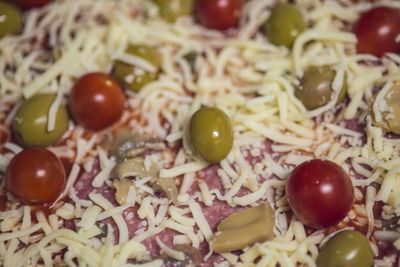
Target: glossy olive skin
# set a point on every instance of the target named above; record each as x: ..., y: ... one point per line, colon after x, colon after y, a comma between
x: 139, y: 77
x: 30, y: 122
x: 284, y: 24
x: 346, y: 249
x: 170, y: 10
x: 11, y: 22
x: 391, y: 119
x: 211, y: 134
x: 315, y: 89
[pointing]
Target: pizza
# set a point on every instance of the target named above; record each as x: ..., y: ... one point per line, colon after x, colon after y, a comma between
x: 199, y: 133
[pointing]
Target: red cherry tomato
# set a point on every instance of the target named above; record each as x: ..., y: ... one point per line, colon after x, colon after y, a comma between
x: 96, y: 101
x: 377, y: 31
x: 320, y: 193
x: 28, y: 4
x: 35, y: 176
x: 218, y: 14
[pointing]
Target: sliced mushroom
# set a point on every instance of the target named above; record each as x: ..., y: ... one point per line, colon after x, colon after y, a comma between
x: 193, y: 257
x: 126, y: 144
x: 135, y: 168
x: 122, y: 190
x: 389, y: 110
x: 244, y: 228
x: 166, y: 187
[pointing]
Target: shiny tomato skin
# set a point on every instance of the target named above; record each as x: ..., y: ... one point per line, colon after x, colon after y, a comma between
x: 376, y: 31
x: 28, y: 4
x: 320, y: 193
x: 35, y: 176
x: 96, y: 101
x: 218, y: 14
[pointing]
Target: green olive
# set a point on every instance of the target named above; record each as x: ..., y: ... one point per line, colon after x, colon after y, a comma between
x: 134, y: 77
x: 211, y: 134
x: 10, y: 19
x: 315, y: 89
x: 170, y: 10
x: 284, y: 24
x: 31, y: 120
x: 346, y: 249
x: 391, y: 115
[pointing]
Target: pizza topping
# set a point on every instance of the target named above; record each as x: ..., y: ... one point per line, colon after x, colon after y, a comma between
x: 317, y: 186
x: 387, y: 109
x: 284, y: 24
x: 10, y: 19
x: 315, y: 88
x: 192, y: 254
x: 171, y: 10
x: 96, y: 101
x: 135, y: 167
x: 211, y: 134
x: 122, y: 188
x: 218, y: 14
x: 244, y: 228
x: 378, y: 30
x: 137, y: 67
x: 35, y: 176
x: 32, y: 119
x: 125, y: 144
x: 347, y: 248
x: 191, y: 257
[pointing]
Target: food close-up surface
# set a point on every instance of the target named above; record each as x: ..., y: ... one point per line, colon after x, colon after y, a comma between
x: 176, y: 133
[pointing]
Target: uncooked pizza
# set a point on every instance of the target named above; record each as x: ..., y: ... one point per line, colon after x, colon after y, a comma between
x: 199, y: 133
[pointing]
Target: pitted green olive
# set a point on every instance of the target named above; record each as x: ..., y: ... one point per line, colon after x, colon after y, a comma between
x: 170, y: 10
x: 244, y: 228
x: 10, y: 19
x: 315, y: 89
x: 346, y: 249
x: 391, y: 113
x: 134, y: 77
x: 284, y: 24
x: 211, y: 134
x: 31, y: 121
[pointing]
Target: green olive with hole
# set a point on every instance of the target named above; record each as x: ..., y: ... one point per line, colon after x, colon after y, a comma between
x: 315, y: 88
x: 211, y: 134
x: 390, y: 115
x: 31, y: 120
x: 348, y: 248
x: 284, y: 24
x: 10, y: 19
x: 171, y: 10
x: 134, y: 77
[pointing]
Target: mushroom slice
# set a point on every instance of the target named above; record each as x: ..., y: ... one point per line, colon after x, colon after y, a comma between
x: 389, y: 109
x: 166, y: 187
x: 122, y: 190
x: 127, y: 144
x: 244, y: 228
x: 135, y: 168
x: 193, y: 257
x: 131, y: 168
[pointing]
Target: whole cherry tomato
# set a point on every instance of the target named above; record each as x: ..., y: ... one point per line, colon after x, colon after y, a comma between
x: 218, y: 14
x: 96, y: 101
x: 377, y: 31
x: 28, y: 4
x: 35, y: 176
x: 320, y: 193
